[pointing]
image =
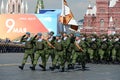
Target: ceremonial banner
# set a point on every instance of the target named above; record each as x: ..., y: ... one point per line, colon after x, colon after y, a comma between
x: 13, y: 26
x: 67, y: 17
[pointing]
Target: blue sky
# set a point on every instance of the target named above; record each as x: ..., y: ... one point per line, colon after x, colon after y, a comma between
x: 78, y: 7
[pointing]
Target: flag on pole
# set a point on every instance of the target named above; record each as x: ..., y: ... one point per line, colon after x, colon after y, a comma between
x: 67, y: 17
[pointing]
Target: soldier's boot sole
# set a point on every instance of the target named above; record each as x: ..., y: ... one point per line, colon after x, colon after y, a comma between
x: 32, y: 68
x: 20, y: 67
x: 52, y: 68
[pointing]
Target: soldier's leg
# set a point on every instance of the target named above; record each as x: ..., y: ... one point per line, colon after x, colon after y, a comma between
x: 82, y: 60
x: 105, y: 57
x: 118, y: 55
x: 55, y: 61
x: 74, y: 57
x: 95, y: 56
x: 52, y: 54
x: 113, y: 55
x: 87, y: 55
x: 69, y: 60
x: 101, y: 52
x: 24, y: 60
x: 91, y: 54
x: 62, y: 60
x: 37, y: 55
x: 43, y: 58
x: 31, y: 55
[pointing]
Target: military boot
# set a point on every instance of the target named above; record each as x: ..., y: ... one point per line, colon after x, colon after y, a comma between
x: 83, y: 67
x: 21, y: 67
x: 70, y: 66
x: 32, y: 68
x: 52, y: 68
x: 44, y: 69
x: 63, y: 69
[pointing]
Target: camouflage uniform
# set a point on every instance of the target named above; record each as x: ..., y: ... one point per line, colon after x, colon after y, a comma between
x: 40, y: 48
x: 117, y: 48
x: 59, y: 54
x: 28, y: 49
x: 78, y: 54
x: 50, y: 47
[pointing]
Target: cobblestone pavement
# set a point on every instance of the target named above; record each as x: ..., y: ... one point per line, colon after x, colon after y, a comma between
x: 9, y: 71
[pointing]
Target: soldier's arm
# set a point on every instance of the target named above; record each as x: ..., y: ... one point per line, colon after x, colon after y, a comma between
x: 22, y: 39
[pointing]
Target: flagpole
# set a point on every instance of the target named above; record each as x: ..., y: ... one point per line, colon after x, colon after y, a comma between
x: 63, y: 14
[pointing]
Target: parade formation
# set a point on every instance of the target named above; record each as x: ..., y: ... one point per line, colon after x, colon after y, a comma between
x: 70, y: 49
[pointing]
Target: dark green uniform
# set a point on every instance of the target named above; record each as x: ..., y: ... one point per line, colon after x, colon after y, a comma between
x: 117, y: 49
x: 50, y: 49
x: 79, y: 55
x: 95, y: 47
x: 28, y: 50
x: 40, y: 48
x: 59, y: 54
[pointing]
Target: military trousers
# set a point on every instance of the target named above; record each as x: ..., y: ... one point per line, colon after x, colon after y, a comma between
x: 80, y: 57
x: 38, y: 54
x: 28, y: 52
x: 50, y: 54
x: 118, y: 55
x: 59, y: 59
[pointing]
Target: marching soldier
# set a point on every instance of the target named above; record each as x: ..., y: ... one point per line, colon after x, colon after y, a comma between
x: 40, y: 52
x: 50, y: 47
x: 70, y: 50
x: 59, y: 54
x: 105, y: 48
x: 66, y: 42
x: 28, y: 49
x: 117, y: 48
x: 110, y: 44
x: 79, y: 52
x: 95, y: 47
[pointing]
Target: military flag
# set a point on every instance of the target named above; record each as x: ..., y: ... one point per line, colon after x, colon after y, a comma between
x: 67, y: 18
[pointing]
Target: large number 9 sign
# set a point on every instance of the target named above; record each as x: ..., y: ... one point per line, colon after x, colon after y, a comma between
x: 10, y: 26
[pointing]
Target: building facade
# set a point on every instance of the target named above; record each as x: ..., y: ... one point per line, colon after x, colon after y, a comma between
x: 14, y: 7
x: 103, y: 18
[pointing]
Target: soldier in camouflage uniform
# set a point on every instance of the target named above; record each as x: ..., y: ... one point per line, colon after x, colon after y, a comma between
x: 66, y: 42
x: 105, y: 48
x: 117, y: 48
x: 70, y: 50
x: 59, y: 54
x: 94, y: 44
x: 110, y: 44
x: 28, y: 49
x: 79, y: 52
x: 50, y: 47
x: 40, y: 51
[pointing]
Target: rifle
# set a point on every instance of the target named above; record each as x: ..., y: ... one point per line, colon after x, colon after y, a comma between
x: 49, y: 44
x: 79, y: 47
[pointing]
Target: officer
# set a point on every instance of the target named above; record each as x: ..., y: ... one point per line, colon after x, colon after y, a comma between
x: 79, y: 52
x: 59, y: 54
x: 28, y: 48
x: 40, y: 51
x: 50, y: 47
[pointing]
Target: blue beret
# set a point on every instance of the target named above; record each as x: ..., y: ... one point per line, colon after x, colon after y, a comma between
x: 58, y: 35
x: 52, y: 32
x: 39, y: 34
x: 28, y: 33
x: 77, y: 35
